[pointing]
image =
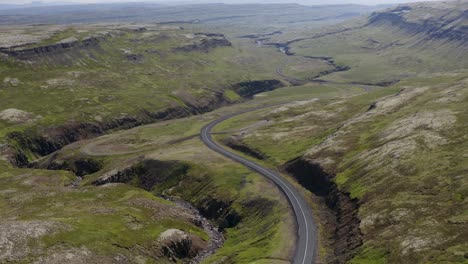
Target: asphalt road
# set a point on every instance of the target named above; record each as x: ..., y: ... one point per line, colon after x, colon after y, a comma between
x: 306, y: 246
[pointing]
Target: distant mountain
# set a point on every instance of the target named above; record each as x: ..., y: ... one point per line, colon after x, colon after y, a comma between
x: 34, y: 4
x: 244, y: 14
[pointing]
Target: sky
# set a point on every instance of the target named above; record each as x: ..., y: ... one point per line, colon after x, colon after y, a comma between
x: 366, y: 2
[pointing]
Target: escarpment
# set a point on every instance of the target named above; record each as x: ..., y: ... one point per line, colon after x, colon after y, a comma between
x: 79, y: 166
x: 208, y: 43
x: 59, y: 48
x: 347, y: 236
x: 249, y: 88
x: 244, y: 148
x: 25, y: 146
x: 417, y: 19
x: 160, y: 176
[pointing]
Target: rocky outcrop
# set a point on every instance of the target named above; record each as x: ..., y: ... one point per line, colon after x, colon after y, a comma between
x: 155, y: 175
x: 17, y: 116
x: 177, y: 244
x: 257, y: 36
x: 147, y: 174
x: 29, y: 144
x: 244, y: 148
x: 219, y: 211
x: 57, y: 48
x: 16, y: 236
x: 250, y: 88
x: 436, y: 22
x: 347, y: 236
x: 206, y: 44
x: 24, y: 146
x: 79, y: 166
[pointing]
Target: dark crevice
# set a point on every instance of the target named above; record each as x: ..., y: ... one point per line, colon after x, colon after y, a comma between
x: 250, y: 88
x: 28, y: 145
x: 244, y: 148
x: 158, y: 176
x: 80, y: 167
x: 347, y: 236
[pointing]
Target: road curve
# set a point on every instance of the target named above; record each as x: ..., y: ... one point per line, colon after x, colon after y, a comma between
x: 306, y: 246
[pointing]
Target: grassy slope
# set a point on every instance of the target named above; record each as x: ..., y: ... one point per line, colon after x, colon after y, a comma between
x: 265, y: 231
x: 404, y: 162
x: 303, y: 124
x: 295, y: 123
x: 104, y: 84
x: 102, y: 221
x: 409, y: 177
x: 383, y: 51
x: 100, y: 84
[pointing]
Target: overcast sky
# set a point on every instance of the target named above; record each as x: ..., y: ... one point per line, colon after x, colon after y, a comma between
x: 315, y: 2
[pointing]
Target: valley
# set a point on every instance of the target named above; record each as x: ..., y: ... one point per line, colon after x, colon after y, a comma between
x: 234, y: 134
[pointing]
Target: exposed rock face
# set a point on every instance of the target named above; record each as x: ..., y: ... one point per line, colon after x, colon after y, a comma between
x: 80, y: 167
x: 447, y: 22
x: 42, y: 143
x: 219, y: 210
x: 61, y: 47
x: 250, y: 88
x: 347, y: 236
x: 150, y: 173
x: 207, y: 44
x: 244, y: 148
x: 177, y: 244
x: 256, y: 36
x: 48, y: 140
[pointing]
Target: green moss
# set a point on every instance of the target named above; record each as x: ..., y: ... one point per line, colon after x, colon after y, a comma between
x: 370, y: 256
x: 231, y: 95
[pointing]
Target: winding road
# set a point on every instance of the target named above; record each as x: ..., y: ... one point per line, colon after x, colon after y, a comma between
x: 306, y: 246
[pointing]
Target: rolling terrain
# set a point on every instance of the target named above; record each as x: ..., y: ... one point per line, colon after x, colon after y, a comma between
x: 71, y: 83
x: 356, y: 122
x: 389, y: 167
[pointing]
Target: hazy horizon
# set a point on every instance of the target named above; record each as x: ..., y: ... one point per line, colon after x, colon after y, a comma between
x: 312, y: 2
